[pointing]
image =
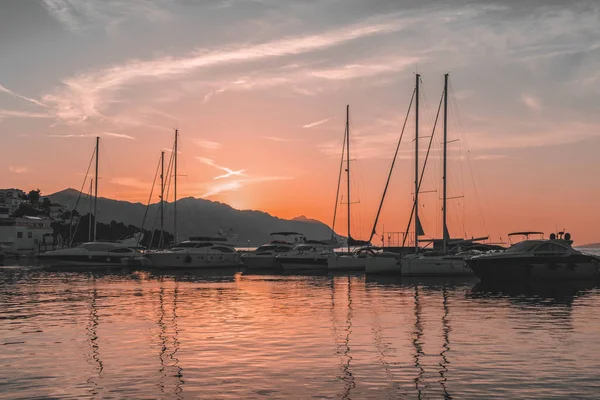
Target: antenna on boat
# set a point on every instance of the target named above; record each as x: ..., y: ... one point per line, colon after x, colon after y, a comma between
x: 444, y: 180
x: 417, y: 223
x: 162, y: 193
x: 96, y: 186
x: 175, y: 192
x: 348, y: 168
x: 90, y: 216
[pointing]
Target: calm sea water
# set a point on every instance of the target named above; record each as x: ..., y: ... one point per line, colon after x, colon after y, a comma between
x: 235, y: 335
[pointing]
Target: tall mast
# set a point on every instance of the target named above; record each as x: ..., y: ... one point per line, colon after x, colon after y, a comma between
x: 96, y: 187
x: 175, y: 192
x: 444, y: 226
x: 162, y: 194
x: 90, y: 219
x: 348, y: 166
x: 417, y: 223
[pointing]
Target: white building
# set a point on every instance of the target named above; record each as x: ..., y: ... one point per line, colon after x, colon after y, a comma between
x: 24, y: 235
x: 10, y: 199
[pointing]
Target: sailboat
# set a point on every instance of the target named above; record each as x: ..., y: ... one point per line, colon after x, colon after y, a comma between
x: 387, y: 262
x: 431, y: 264
x: 352, y: 260
x: 93, y: 253
x: 197, y: 252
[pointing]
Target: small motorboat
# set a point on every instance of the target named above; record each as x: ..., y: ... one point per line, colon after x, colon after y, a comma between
x: 198, y: 252
x: 265, y: 256
x: 309, y: 256
x: 537, y: 259
x: 87, y: 255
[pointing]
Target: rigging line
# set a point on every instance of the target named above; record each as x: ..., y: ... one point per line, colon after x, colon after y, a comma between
x: 149, y: 200
x: 337, y: 194
x: 458, y: 121
x: 423, y: 169
x: 72, y: 235
x: 168, y: 186
x: 387, y: 183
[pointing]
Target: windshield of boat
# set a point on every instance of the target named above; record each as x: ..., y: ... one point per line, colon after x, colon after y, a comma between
x: 522, y: 247
x: 98, y: 246
x: 263, y: 249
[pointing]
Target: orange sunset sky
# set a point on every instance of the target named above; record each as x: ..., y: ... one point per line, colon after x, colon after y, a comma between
x: 260, y: 86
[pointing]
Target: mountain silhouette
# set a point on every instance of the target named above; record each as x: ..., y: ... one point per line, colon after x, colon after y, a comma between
x: 196, y: 217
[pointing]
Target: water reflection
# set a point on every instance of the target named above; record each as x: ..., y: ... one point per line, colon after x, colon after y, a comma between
x: 197, y: 334
x: 92, y: 337
x: 169, y: 344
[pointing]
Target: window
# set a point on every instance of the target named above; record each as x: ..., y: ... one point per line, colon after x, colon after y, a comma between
x: 19, y: 235
x: 224, y: 249
x: 30, y: 235
x: 122, y: 250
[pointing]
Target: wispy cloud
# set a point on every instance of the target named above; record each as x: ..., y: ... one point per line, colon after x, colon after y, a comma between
x: 85, y: 95
x: 117, y: 135
x: 129, y: 182
x: 17, y: 170
x: 77, y: 15
x: 206, y: 144
x: 4, y: 89
x: 278, y: 139
x: 87, y: 135
x: 216, y: 188
x: 316, y: 123
x: 22, y: 114
x: 533, y: 103
x: 352, y: 71
x: 229, y: 172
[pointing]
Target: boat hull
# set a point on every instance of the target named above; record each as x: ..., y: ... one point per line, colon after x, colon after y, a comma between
x: 577, y: 267
x: 191, y: 260
x: 252, y: 261
x: 81, y: 261
x: 383, y: 265
x: 345, y: 263
x: 435, y: 266
x: 303, y: 263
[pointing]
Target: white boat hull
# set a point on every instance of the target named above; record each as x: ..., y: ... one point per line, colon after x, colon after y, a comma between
x: 345, y: 263
x: 304, y: 264
x: 252, y: 261
x: 193, y: 260
x: 434, y: 266
x: 382, y: 265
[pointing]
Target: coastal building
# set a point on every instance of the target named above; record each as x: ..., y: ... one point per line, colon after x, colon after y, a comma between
x: 10, y: 200
x: 25, y: 235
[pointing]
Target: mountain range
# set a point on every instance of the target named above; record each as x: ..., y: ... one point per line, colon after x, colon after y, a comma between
x: 195, y: 217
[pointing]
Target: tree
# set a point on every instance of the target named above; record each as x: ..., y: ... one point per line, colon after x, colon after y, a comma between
x: 34, y: 196
x: 46, y: 205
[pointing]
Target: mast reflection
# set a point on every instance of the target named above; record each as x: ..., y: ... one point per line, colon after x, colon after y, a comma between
x: 446, y: 345
x: 169, y: 345
x: 343, y: 349
x: 92, y: 339
x: 417, y: 344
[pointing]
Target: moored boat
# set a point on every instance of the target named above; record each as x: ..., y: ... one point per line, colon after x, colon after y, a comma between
x: 198, y: 252
x: 88, y: 255
x: 538, y: 259
x: 309, y: 256
x: 265, y: 256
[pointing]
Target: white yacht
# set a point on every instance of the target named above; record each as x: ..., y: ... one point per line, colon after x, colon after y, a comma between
x: 355, y: 260
x: 91, y: 254
x: 198, y: 252
x: 309, y: 256
x: 385, y: 262
x: 432, y: 264
x: 265, y: 256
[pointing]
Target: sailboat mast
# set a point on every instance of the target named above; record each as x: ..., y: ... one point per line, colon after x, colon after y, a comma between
x: 444, y: 180
x: 348, y: 167
x: 96, y: 187
x: 90, y: 219
x: 162, y: 194
x: 417, y: 223
x: 175, y: 192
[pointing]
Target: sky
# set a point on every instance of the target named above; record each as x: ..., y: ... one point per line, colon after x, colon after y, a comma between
x: 258, y: 91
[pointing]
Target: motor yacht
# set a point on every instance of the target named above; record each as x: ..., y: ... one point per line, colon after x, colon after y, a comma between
x: 198, y: 252
x: 310, y: 255
x: 90, y: 254
x: 537, y: 259
x: 265, y: 256
x: 353, y: 261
